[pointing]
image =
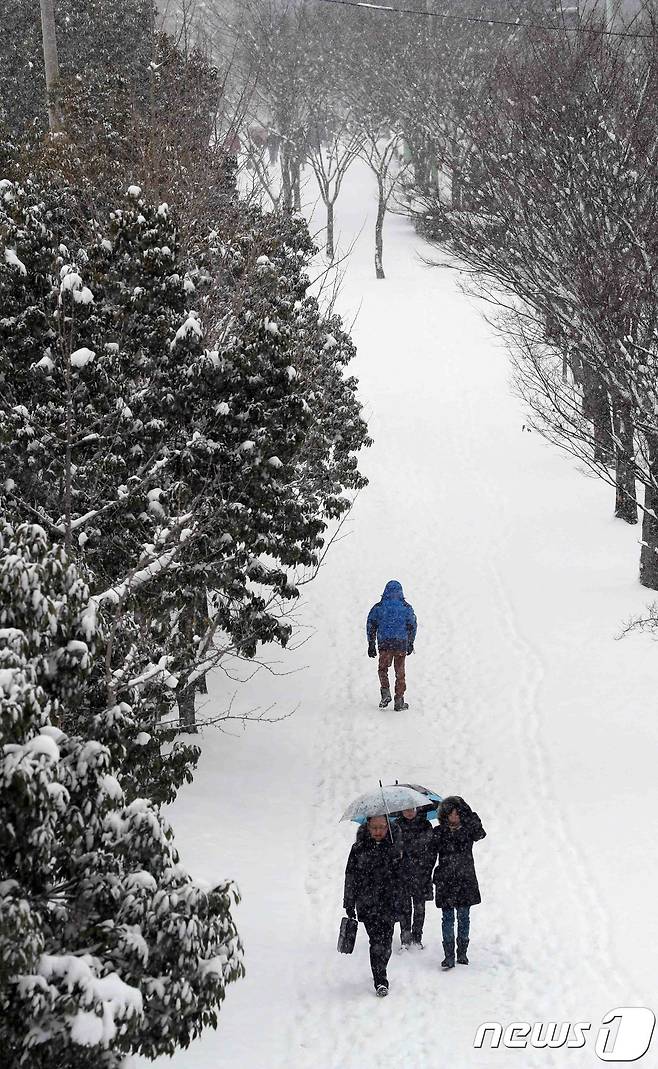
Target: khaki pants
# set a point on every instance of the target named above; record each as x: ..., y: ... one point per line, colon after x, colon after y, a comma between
x: 397, y: 659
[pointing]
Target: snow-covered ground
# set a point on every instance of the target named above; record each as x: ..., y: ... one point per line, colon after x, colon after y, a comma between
x: 521, y: 700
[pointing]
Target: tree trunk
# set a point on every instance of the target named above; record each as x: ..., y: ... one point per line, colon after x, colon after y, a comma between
x: 625, y: 503
x: 420, y: 160
x: 273, y: 142
x: 576, y: 366
x: 286, y: 180
x: 193, y: 620
x: 596, y: 408
x: 296, y: 185
x: 379, y: 232
x: 456, y: 189
x: 186, y: 710
x: 51, y: 63
x: 330, y: 229
x: 68, y: 460
x: 649, y: 551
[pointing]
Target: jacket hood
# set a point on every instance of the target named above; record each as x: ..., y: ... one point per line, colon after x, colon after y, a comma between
x: 393, y: 589
x: 453, y: 802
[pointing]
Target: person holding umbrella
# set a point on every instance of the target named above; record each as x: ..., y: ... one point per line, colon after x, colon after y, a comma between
x: 391, y: 627
x: 373, y: 890
x: 373, y: 876
x: 456, y: 885
x: 419, y: 847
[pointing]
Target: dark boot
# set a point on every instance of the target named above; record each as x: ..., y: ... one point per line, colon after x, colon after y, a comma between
x: 405, y: 939
x: 449, y: 951
x: 400, y: 705
x: 386, y: 697
x: 462, y: 947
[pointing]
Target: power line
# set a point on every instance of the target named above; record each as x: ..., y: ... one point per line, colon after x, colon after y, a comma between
x: 488, y: 21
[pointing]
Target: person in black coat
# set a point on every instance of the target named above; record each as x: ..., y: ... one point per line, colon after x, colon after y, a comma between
x: 456, y: 885
x: 373, y: 891
x: 419, y: 848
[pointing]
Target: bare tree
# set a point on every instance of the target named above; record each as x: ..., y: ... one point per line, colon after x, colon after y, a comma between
x: 381, y: 150
x: 51, y: 63
x: 273, y: 41
x: 560, y: 235
x: 333, y: 145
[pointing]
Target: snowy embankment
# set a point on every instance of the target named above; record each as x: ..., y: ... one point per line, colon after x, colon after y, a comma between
x: 521, y: 700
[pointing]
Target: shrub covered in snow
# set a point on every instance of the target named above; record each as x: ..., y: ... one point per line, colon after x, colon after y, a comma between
x: 107, y: 946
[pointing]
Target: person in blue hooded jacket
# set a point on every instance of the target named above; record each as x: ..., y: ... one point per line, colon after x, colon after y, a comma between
x: 391, y: 626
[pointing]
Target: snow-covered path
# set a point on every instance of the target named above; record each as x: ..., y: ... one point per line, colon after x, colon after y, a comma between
x: 521, y: 700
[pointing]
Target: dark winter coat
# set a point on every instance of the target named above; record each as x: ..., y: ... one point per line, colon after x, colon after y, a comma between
x: 373, y: 876
x: 419, y: 846
x: 454, y: 877
x: 392, y: 620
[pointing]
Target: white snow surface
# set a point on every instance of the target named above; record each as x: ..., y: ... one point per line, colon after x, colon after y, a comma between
x: 43, y: 745
x: 191, y: 325
x: 81, y: 357
x: 521, y: 700
x: 12, y: 259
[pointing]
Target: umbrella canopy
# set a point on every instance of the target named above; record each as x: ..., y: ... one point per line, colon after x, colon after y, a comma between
x: 384, y: 800
x: 430, y: 806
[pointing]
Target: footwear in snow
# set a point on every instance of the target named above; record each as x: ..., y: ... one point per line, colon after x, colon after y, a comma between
x: 400, y: 705
x: 462, y: 947
x: 386, y: 698
x: 449, y: 951
x: 416, y: 945
x: 405, y: 940
x: 381, y: 990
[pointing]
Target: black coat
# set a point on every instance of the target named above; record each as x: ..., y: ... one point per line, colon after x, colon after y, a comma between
x: 419, y: 846
x: 373, y: 876
x: 454, y: 877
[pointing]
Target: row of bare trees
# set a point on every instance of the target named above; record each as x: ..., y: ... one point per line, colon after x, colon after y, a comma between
x: 328, y: 84
x: 527, y: 147
x: 558, y: 230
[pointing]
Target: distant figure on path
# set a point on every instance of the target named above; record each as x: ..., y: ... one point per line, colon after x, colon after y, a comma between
x: 391, y: 626
x: 454, y: 877
x: 419, y: 846
x: 373, y: 891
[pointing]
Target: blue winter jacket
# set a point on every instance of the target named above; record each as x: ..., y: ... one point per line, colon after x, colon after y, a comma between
x: 392, y: 620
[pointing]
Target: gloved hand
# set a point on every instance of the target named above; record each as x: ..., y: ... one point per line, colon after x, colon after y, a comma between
x: 410, y: 647
x: 351, y: 912
x: 372, y: 649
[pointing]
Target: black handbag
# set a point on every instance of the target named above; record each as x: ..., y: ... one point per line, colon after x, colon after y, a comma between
x: 347, y: 935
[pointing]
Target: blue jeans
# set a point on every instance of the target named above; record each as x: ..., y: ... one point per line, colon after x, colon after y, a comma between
x: 463, y: 923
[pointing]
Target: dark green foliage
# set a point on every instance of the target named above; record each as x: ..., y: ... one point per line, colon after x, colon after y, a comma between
x: 195, y: 481
x: 107, y: 945
x: 104, y: 46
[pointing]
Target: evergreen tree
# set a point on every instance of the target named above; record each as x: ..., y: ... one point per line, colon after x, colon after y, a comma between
x: 195, y: 479
x: 108, y: 947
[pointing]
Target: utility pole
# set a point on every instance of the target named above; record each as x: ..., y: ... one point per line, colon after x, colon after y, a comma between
x: 51, y: 63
